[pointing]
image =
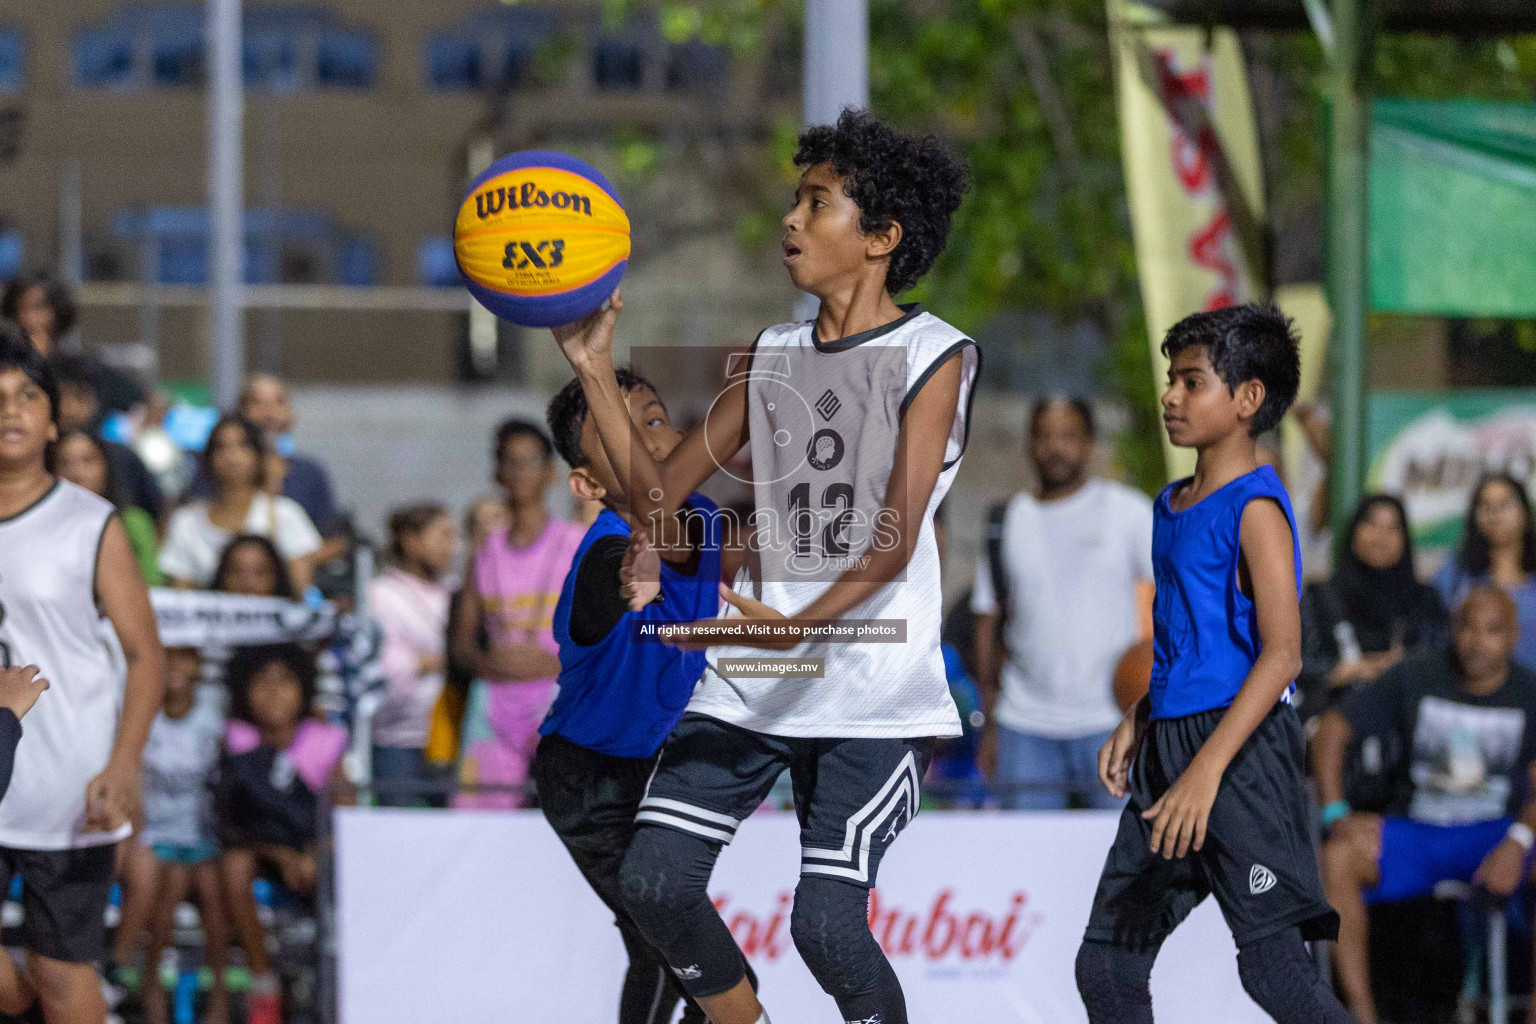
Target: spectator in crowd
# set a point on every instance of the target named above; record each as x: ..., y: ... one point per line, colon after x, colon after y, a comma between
x: 445, y: 733
x: 174, y: 852
x: 234, y: 459
x: 83, y: 458
x: 1372, y: 613
x: 1465, y: 722
x: 410, y: 600
x: 43, y: 308
x: 511, y: 589
x: 265, y: 403
x: 1498, y: 547
x: 80, y: 409
x: 953, y: 772
x: 1051, y: 630
x: 267, y: 812
x: 250, y: 565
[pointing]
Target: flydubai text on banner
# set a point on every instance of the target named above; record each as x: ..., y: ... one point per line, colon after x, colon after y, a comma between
x: 1192, y: 173
x: 479, y: 916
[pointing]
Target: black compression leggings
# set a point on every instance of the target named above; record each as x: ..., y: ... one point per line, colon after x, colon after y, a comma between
x: 665, y: 878
x: 1277, y: 972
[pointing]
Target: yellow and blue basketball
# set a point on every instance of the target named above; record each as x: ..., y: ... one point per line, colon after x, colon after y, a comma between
x: 541, y: 239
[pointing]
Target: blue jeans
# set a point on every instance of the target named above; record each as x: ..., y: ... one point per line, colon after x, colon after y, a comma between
x: 1035, y: 773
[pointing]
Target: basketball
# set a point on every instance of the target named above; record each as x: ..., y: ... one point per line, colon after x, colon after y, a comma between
x: 541, y: 239
x: 1133, y: 675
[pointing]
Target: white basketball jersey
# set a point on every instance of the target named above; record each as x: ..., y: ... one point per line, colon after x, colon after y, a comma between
x: 49, y: 618
x: 823, y: 420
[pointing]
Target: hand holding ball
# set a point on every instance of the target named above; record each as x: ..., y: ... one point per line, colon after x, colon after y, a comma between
x: 541, y: 239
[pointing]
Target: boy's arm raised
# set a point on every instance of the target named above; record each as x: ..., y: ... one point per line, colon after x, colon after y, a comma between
x: 1179, y: 817
x: 656, y: 490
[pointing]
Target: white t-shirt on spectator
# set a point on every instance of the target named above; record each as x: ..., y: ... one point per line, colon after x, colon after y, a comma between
x: 1073, y: 568
x: 193, y: 544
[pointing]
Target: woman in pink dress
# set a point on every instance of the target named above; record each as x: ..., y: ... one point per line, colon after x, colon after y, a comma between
x: 513, y: 584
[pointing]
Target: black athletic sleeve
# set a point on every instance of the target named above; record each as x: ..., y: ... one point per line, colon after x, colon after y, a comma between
x: 10, y: 735
x: 596, y: 604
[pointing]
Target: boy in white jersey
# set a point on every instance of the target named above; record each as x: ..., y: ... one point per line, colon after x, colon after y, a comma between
x: 856, y: 423
x: 65, y: 563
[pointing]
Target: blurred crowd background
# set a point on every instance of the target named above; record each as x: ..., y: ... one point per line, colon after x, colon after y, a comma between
x: 385, y: 429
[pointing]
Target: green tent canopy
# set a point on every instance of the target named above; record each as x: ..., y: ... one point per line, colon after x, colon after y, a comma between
x: 1453, y: 208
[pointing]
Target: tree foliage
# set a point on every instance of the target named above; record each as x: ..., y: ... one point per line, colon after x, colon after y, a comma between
x: 1025, y: 89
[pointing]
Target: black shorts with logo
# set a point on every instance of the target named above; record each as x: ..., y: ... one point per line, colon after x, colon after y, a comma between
x: 64, y: 897
x: 852, y: 796
x: 1257, y: 858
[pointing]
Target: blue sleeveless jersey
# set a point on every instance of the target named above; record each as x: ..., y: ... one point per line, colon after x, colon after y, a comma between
x: 622, y: 697
x: 1205, y: 634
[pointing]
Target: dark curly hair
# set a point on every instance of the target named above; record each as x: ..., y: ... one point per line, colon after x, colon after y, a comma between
x: 282, y: 580
x: 1246, y: 342
x: 508, y: 429
x: 894, y: 178
x: 568, y: 412
x: 248, y: 661
x: 57, y: 293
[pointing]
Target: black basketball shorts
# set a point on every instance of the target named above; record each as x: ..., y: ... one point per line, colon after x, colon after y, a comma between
x: 64, y: 899
x: 852, y: 796
x: 1257, y: 859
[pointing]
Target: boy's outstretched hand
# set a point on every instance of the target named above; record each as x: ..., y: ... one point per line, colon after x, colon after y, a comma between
x: 589, y: 341
x: 20, y: 687
x: 640, y: 572
x: 751, y: 610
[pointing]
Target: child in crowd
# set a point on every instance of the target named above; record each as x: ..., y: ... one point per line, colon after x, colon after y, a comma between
x: 619, y: 699
x: 83, y: 459
x: 277, y: 761
x: 511, y: 589
x: 410, y: 600
x: 175, y: 850
x: 250, y: 565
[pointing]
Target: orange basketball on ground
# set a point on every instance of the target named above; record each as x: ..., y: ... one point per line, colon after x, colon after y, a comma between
x: 1133, y: 675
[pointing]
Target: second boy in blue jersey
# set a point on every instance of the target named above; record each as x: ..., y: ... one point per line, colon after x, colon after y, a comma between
x: 618, y: 698
x: 1212, y: 758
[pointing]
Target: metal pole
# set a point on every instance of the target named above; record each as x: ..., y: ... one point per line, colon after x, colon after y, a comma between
x: 1348, y: 255
x: 836, y: 73
x: 226, y: 241
x: 71, y: 260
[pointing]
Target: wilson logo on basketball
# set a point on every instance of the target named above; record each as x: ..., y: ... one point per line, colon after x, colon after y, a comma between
x: 940, y: 932
x: 528, y: 196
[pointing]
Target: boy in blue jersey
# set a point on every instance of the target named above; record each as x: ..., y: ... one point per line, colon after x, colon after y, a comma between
x: 620, y: 698
x: 1212, y: 757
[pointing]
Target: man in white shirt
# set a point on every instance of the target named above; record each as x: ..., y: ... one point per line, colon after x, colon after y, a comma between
x: 1074, y: 559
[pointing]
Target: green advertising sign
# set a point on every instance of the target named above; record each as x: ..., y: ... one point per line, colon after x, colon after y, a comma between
x: 1430, y: 447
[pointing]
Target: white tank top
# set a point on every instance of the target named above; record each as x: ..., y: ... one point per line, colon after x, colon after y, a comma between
x: 823, y: 422
x: 49, y: 618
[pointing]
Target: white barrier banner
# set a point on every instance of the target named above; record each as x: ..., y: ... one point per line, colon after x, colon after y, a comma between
x: 469, y: 917
x: 199, y: 618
